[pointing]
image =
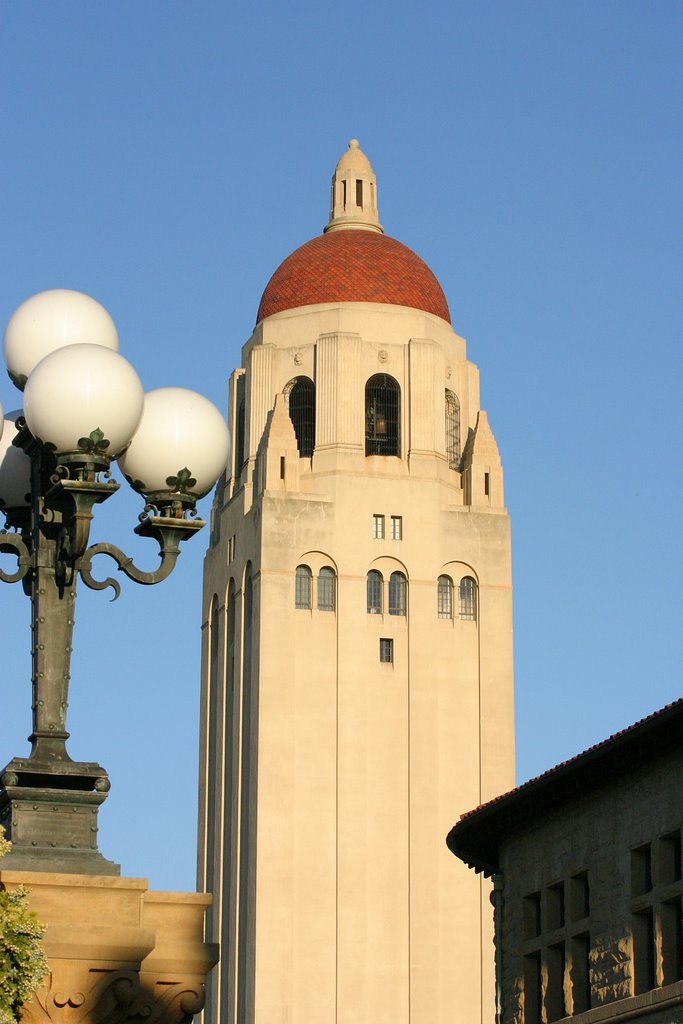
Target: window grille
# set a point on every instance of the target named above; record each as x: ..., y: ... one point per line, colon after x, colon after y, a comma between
x: 378, y: 527
x: 468, y: 598
x: 397, y: 594
x: 397, y: 528
x: 374, y: 592
x: 444, y: 597
x: 382, y: 416
x: 452, y: 429
x: 386, y: 650
x: 326, y: 582
x: 300, y: 394
x: 302, y: 597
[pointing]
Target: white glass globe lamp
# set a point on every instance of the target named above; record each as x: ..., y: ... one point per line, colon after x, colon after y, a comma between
x: 180, y: 447
x: 15, y: 466
x: 51, y: 320
x: 84, y: 398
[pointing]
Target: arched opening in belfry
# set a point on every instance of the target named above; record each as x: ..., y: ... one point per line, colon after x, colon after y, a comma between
x: 382, y: 416
x: 452, y: 429
x: 300, y: 394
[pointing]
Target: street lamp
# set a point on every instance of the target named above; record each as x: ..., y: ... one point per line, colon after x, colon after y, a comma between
x: 84, y: 408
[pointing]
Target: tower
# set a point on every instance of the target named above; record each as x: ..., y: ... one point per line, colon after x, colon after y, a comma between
x: 357, y: 654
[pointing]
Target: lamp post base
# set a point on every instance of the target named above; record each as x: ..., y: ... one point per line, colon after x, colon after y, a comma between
x: 51, y: 816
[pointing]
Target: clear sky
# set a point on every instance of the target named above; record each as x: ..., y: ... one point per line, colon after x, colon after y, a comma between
x: 165, y: 157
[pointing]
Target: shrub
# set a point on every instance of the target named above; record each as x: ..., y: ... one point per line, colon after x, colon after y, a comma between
x: 22, y: 960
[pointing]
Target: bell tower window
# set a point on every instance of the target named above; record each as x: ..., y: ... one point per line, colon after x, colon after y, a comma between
x: 359, y: 193
x: 382, y: 416
x: 452, y: 429
x: 300, y: 394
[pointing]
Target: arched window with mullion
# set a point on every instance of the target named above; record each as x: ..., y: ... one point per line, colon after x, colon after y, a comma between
x: 302, y: 597
x: 375, y: 583
x: 444, y: 597
x: 326, y: 589
x: 397, y: 594
x: 382, y: 416
x: 468, y: 598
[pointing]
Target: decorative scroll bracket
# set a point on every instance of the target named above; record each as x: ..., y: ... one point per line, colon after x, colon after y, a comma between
x: 168, y: 532
x: 12, y: 543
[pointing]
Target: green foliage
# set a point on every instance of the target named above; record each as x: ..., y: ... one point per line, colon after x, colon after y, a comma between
x: 22, y: 960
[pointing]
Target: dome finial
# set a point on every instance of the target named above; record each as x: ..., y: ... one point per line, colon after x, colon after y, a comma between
x: 354, y: 193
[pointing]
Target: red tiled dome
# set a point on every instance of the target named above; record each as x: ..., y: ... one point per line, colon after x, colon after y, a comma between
x: 353, y: 266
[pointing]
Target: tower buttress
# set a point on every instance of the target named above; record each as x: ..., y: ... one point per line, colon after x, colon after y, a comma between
x: 481, y: 467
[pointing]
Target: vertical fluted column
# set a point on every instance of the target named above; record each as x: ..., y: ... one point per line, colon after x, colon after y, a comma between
x: 339, y: 406
x: 423, y: 410
x: 259, y: 395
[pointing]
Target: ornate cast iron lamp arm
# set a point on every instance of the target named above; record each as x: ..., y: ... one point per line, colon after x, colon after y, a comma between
x: 12, y: 543
x: 169, y: 534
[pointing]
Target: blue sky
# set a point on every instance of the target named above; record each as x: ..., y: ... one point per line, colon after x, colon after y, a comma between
x: 166, y: 156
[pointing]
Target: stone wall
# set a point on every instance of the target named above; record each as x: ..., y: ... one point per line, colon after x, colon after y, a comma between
x: 592, y: 898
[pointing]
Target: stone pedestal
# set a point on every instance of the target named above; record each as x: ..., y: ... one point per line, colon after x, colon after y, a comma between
x: 117, y: 952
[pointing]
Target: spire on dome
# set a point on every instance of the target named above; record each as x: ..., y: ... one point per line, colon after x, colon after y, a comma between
x: 354, y: 193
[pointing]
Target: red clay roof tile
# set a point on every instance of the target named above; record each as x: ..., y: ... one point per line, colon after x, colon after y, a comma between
x: 353, y: 266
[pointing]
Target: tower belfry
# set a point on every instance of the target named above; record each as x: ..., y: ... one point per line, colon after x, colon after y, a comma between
x: 357, y: 645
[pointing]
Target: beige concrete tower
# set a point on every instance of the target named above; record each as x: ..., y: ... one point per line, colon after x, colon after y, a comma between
x: 357, y: 680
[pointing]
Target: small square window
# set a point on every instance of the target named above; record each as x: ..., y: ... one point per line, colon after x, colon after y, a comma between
x: 397, y: 527
x: 386, y: 651
x: 378, y: 527
x: 554, y: 907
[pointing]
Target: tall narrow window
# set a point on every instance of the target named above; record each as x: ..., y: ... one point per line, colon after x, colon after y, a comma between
x: 397, y: 527
x: 468, y: 598
x: 452, y: 429
x: 300, y: 394
x: 444, y: 597
x: 359, y: 192
x: 643, y: 951
x: 326, y: 588
x: 241, y: 425
x: 378, y: 527
x: 533, y: 992
x: 382, y: 416
x: 397, y: 594
x: 302, y: 597
x: 374, y: 592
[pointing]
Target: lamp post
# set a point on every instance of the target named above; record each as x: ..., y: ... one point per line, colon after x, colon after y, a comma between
x: 84, y: 408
